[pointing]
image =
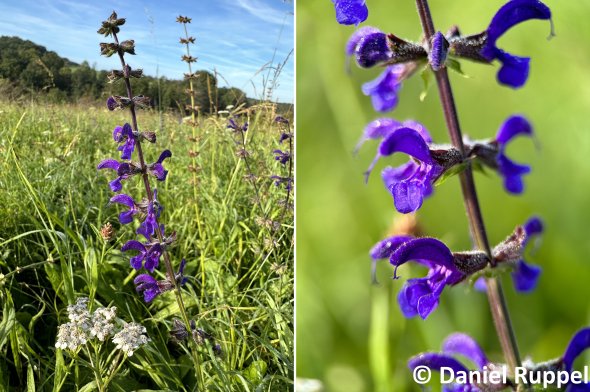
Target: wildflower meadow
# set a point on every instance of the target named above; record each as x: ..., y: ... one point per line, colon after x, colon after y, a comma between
x: 146, y: 248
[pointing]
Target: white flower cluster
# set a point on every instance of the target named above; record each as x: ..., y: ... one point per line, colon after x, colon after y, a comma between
x: 103, y: 322
x: 84, y: 325
x: 130, y: 338
x: 70, y: 336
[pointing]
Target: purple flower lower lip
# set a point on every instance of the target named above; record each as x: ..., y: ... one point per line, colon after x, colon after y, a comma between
x: 383, y: 90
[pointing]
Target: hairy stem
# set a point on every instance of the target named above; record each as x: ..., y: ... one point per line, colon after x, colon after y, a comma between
x: 477, y: 228
x: 168, y: 264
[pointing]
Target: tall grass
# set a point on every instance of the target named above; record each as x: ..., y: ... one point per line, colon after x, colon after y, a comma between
x: 53, y: 204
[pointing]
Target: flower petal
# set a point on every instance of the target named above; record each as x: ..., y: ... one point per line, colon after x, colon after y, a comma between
x: 426, y: 248
x: 372, y: 49
x: 357, y: 36
x: 512, y: 173
x: 513, y: 13
x: 512, y: 127
x: 124, y: 199
x: 408, y: 141
x: 350, y: 12
x: 383, y: 90
x: 112, y: 164
x: 460, y: 343
x: 579, y: 343
x: 515, y: 69
x: 383, y: 249
x: 525, y: 276
x: 377, y: 129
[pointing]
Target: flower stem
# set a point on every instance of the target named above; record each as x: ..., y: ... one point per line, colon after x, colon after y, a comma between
x: 168, y: 264
x: 477, y: 228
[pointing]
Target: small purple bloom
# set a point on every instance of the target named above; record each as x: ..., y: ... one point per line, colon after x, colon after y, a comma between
x: 439, y: 49
x: 511, y: 171
x: 287, y: 182
x: 372, y: 49
x: 124, y: 171
x: 233, y: 124
x: 410, y: 183
x: 359, y: 36
x: 282, y: 156
x: 383, y: 250
x: 383, y: 90
x: 456, y: 344
x: 148, y: 257
x: 156, y: 169
x: 148, y: 285
x: 148, y: 227
x: 515, y: 70
x: 126, y: 216
x: 350, y: 12
x: 112, y: 104
x: 421, y: 296
x: 124, y: 134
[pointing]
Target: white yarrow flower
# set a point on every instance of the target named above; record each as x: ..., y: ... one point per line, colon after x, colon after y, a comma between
x: 79, y: 314
x: 130, y: 338
x: 103, y: 322
x: 70, y: 336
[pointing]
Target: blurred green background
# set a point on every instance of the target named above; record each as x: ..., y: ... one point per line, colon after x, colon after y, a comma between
x: 351, y: 335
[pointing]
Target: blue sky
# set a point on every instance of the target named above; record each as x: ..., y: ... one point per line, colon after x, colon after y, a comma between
x: 236, y: 37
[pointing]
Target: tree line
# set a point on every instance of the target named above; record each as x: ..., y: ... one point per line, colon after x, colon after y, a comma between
x: 30, y: 69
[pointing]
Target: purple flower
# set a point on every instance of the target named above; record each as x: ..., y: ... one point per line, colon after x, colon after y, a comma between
x: 282, y: 156
x: 350, y: 12
x: 357, y: 37
x: 421, y: 296
x: 287, y: 182
x: 233, y: 124
x: 112, y: 104
x: 410, y: 183
x: 515, y: 70
x: 148, y: 227
x: 148, y: 257
x: 383, y: 90
x: 456, y: 344
x: 123, y: 169
x: 156, y: 169
x: 148, y: 285
x: 125, y: 134
x: 151, y: 287
x: 372, y: 48
x: 126, y: 216
x: 511, y: 171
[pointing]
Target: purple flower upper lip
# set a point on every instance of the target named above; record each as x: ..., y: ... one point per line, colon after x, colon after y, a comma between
x: 515, y: 70
x: 125, y: 134
x: 350, y: 12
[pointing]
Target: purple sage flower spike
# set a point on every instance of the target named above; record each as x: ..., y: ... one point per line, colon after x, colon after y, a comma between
x: 350, y: 12
x: 515, y: 70
x: 156, y: 169
x: 125, y: 134
x: 421, y: 296
x: 384, y: 90
x: 511, y: 171
x: 126, y: 216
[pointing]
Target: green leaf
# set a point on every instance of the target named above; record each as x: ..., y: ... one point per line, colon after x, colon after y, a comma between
x: 450, y: 172
x: 456, y: 66
x: 30, y: 379
x: 61, y: 372
x: 8, y: 321
x: 256, y: 371
x: 426, y: 76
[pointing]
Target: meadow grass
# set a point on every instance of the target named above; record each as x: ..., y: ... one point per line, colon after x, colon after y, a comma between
x: 239, y: 263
